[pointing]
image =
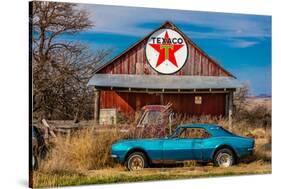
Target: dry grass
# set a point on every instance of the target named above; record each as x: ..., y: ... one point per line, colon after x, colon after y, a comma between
x: 84, y: 157
x: 85, y: 150
x: 88, y: 150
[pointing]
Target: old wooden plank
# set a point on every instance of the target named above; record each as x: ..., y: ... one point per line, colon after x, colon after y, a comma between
x: 192, y: 57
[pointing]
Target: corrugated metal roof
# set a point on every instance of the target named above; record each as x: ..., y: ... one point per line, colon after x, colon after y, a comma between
x: 163, y: 81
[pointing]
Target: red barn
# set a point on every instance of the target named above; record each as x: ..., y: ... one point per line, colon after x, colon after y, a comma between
x: 165, y: 66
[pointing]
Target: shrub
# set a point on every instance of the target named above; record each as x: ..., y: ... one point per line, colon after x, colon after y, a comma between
x: 258, y: 116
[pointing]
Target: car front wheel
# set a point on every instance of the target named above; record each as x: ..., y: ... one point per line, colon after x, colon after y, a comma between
x: 224, y: 158
x: 136, y: 161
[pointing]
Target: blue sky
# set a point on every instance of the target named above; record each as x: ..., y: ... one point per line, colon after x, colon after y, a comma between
x: 240, y: 43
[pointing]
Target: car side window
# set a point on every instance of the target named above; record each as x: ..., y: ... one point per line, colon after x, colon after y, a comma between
x: 195, y: 133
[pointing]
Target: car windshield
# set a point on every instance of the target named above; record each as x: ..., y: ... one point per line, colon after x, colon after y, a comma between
x: 139, y: 115
x: 175, y: 133
x: 152, y: 118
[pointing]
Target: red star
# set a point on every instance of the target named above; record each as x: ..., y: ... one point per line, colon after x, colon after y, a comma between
x: 166, y: 51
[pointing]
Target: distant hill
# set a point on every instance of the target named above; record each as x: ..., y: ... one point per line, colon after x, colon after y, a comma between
x: 255, y: 101
x: 263, y: 96
x: 260, y: 96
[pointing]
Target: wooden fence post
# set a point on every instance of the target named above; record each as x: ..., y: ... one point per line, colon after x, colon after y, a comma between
x: 96, y: 105
x: 230, y: 109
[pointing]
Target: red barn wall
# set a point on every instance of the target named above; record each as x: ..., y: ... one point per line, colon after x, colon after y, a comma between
x: 212, y: 104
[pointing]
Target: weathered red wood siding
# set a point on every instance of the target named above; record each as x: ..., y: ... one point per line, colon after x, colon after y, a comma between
x: 134, y: 62
x: 212, y: 104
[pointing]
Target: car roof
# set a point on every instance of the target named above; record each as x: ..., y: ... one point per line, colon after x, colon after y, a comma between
x: 213, y: 129
x: 200, y: 125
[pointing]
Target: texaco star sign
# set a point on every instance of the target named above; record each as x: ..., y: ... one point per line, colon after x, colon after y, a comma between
x: 166, y: 51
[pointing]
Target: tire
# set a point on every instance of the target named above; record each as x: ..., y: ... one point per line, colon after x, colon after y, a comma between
x: 136, y: 161
x: 224, y: 158
x: 34, y: 162
x: 202, y: 163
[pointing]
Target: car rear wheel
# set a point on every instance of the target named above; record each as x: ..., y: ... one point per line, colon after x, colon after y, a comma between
x: 136, y: 161
x: 224, y: 158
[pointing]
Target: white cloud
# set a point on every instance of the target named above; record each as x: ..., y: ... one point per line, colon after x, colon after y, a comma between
x: 228, y: 27
x: 243, y: 44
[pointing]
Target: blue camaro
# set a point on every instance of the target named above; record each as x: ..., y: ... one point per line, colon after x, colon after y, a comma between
x: 200, y: 142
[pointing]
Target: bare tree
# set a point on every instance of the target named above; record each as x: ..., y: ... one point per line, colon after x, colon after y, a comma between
x: 61, y: 68
x: 240, y: 98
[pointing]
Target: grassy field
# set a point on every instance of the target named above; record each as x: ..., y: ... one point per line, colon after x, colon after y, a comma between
x: 119, y: 174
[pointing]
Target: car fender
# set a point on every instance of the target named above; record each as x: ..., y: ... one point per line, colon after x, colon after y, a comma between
x: 224, y: 145
x: 136, y: 149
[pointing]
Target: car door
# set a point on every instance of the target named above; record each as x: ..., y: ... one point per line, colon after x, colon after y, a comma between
x: 201, y: 144
x: 178, y: 148
x: 189, y: 144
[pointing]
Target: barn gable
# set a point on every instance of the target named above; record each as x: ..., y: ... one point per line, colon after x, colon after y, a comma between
x: 133, y: 60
